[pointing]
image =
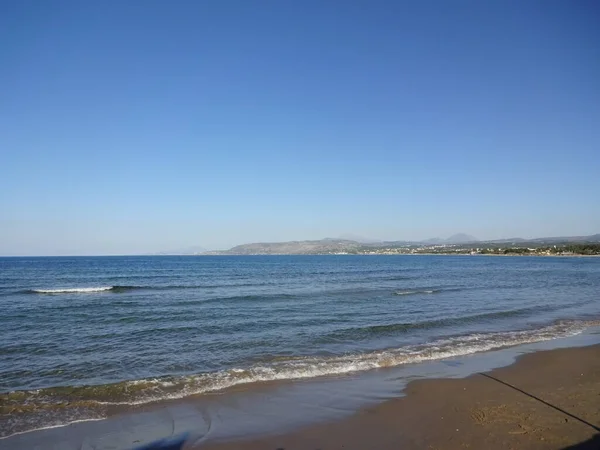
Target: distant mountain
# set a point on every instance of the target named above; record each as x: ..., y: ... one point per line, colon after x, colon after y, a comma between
x: 329, y: 245
x: 460, y: 238
x: 592, y: 238
x: 549, y: 240
x: 361, y: 239
x: 433, y: 241
x: 514, y: 240
x: 293, y: 247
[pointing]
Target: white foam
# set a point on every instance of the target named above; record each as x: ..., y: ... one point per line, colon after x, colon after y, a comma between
x: 73, y: 290
x: 49, y: 427
x: 170, y: 388
x: 312, y: 367
x: 428, y: 291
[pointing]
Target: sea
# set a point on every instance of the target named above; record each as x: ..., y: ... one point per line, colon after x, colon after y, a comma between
x: 81, y: 336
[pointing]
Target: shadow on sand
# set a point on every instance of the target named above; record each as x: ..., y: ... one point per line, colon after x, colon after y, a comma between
x: 590, y: 444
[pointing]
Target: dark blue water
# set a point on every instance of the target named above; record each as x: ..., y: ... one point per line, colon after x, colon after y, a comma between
x: 81, y: 335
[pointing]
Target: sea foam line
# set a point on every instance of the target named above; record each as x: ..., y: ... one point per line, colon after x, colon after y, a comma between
x: 414, y: 292
x: 49, y: 427
x: 169, y: 388
x: 72, y: 290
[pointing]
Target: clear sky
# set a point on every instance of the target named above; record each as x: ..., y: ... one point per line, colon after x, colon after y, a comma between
x: 140, y: 126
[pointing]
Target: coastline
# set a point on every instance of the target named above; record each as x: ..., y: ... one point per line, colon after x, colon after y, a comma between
x: 546, y: 400
x: 394, y: 254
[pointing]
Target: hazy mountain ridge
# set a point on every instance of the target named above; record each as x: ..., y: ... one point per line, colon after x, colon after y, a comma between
x: 460, y: 238
x: 329, y: 245
x: 294, y: 247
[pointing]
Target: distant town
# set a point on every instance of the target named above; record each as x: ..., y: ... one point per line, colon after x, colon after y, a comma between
x: 461, y: 249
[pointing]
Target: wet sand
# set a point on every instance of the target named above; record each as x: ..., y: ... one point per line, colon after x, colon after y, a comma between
x: 546, y: 400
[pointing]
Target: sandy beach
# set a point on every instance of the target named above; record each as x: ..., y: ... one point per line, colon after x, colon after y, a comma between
x: 546, y: 400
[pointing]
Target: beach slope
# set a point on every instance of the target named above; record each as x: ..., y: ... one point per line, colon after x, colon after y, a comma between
x: 546, y: 400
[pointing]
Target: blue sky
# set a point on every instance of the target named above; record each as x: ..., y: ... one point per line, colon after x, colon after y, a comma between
x: 134, y: 127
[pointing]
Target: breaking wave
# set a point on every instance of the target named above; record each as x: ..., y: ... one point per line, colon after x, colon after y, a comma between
x: 415, y: 292
x: 92, y: 398
x: 83, y: 290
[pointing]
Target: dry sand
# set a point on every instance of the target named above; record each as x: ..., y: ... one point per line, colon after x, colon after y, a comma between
x: 551, y: 400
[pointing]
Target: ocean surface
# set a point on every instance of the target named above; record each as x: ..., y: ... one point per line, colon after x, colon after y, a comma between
x: 80, y: 336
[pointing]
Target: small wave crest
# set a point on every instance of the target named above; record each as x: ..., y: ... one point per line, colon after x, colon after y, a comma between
x: 81, y: 290
x: 392, y: 329
x: 416, y: 292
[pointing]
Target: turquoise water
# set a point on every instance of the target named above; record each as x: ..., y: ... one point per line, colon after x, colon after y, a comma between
x: 83, y: 335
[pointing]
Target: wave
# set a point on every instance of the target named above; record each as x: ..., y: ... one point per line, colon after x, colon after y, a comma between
x: 136, y: 392
x: 431, y: 290
x: 405, y: 327
x: 83, y: 290
x: 394, y: 278
x: 119, y: 288
x: 415, y: 292
x: 114, y: 289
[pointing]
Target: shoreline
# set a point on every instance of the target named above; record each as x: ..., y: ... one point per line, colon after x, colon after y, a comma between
x: 430, y: 362
x: 546, y: 400
x: 284, y: 414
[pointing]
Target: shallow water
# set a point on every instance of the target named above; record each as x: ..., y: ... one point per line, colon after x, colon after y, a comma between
x: 82, y: 335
